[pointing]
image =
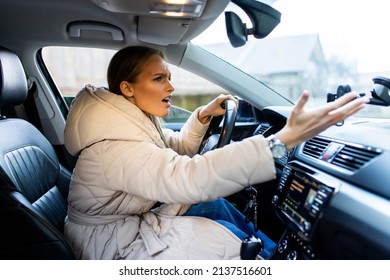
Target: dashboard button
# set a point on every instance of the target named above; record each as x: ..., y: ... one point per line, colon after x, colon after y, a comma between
x: 293, y: 255
x: 307, y: 226
x: 282, y: 246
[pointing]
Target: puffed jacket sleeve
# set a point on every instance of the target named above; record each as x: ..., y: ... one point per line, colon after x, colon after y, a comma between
x: 188, y: 140
x: 145, y: 170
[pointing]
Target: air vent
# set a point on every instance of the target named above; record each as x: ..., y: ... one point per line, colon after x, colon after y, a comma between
x: 352, y: 158
x: 315, y: 147
x: 262, y: 128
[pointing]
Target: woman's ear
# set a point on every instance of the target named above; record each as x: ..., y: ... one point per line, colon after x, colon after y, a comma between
x: 126, y: 89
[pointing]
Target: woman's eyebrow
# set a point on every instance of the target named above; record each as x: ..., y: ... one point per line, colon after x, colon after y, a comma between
x: 162, y: 73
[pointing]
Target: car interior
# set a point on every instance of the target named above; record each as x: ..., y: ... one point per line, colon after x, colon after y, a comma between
x: 330, y: 199
x: 35, y: 199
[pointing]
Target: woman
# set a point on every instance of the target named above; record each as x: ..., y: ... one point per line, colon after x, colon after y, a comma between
x: 127, y: 163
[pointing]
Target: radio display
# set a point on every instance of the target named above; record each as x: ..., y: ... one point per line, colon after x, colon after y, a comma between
x: 304, y: 200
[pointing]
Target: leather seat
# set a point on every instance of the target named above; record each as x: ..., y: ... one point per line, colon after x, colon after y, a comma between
x: 33, y: 184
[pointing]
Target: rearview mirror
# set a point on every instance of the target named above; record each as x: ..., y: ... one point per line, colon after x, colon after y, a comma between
x: 264, y: 19
x: 236, y: 29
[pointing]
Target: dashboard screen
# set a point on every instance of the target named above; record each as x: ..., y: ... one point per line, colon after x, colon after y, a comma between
x: 304, y: 200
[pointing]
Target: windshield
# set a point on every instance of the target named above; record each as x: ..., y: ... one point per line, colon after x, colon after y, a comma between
x: 318, y: 46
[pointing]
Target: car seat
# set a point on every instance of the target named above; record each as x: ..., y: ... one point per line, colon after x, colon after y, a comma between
x: 33, y: 184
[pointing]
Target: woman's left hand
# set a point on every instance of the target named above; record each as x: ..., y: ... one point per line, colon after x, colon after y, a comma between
x: 214, y: 108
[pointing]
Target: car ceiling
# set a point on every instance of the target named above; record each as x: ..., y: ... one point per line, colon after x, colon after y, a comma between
x: 97, y: 23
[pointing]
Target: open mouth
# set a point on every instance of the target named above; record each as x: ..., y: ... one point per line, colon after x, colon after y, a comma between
x: 166, y: 99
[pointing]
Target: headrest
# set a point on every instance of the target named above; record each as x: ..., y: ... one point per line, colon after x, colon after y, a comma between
x: 13, y: 82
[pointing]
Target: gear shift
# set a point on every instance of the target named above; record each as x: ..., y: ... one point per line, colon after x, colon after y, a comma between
x: 251, y: 246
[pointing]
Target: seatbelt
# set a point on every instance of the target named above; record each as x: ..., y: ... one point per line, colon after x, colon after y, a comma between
x: 31, y: 107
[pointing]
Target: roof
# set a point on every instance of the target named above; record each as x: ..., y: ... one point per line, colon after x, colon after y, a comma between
x: 271, y: 55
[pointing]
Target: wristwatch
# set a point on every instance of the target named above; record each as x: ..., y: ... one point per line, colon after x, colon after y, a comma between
x: 278, y: 148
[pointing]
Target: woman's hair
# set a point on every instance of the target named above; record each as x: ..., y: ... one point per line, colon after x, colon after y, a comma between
x: 127, y: 64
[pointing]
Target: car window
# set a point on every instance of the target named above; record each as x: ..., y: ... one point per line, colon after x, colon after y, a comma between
x: 317, y: 46
x: 72, y: 68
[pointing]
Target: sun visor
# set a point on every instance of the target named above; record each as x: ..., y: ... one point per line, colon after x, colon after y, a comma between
x: 162, y: 31
x: 177, y: 8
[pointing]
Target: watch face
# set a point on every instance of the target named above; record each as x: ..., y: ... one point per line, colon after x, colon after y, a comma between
x: 279, y: 151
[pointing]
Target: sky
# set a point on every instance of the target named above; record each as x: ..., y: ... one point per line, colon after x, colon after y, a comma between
x: 353, y: 29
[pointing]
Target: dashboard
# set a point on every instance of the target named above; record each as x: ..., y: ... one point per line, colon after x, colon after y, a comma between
x: 332, y: 193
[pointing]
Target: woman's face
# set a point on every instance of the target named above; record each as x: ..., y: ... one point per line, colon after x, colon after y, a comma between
x: 152, y: 90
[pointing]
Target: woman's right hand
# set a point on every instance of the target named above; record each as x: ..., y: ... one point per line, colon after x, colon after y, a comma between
x: 214, y: 108
x: 304, y: 124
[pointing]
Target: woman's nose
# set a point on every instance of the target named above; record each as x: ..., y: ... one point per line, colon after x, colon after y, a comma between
x: 170, y: 87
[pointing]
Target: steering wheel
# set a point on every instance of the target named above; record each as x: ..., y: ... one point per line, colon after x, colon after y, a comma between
x: 212, y: 139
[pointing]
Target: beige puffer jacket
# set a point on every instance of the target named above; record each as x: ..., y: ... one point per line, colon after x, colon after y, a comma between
x: 123, y: 169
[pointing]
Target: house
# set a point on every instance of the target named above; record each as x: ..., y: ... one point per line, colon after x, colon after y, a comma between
x: 288, y: 64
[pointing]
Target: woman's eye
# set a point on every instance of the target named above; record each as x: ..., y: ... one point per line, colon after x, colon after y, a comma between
x: 158, y: 79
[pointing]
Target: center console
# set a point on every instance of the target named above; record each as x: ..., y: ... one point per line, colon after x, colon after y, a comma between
x: 302, y: 196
